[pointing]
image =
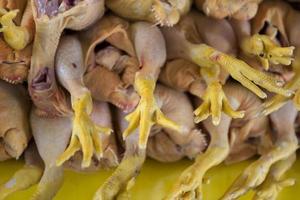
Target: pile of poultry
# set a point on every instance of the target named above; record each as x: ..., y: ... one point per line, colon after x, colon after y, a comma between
x: 96, y: 84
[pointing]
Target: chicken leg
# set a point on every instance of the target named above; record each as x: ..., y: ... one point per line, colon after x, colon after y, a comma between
x: 285, y: 146
x: 150, y: 48
x: 70, y: 70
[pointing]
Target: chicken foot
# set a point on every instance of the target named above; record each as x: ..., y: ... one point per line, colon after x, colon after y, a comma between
x: 151, y: 55
x: 189, y: 184
x: 238, y: 70
x: 70, y: 70
x: 123, y: 177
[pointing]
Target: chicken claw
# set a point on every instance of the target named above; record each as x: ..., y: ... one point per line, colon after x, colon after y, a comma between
x: 267, y: 50
x: 238, y: 69
x: 147, y: 113
x: 85, y: 133
x: 15, y: 36
x: 214, y: 102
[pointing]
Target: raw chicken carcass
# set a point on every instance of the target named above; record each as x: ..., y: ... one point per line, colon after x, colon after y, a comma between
x: 165, y: 145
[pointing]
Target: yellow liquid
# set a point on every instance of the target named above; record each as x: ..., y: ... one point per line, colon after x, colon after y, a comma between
x: 153, y: 183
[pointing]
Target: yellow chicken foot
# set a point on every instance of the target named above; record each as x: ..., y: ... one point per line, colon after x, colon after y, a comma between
x: 267, y: 50
x: 22, y: 179
x: 85, y: 133
x: 122, y: 179
x: 256, y: 173
x: 147, y: 112
x: 275, y: 181
x: 204, y: 55
x: 189, y: 184
x: 214, y: 102
x: 15, y: 36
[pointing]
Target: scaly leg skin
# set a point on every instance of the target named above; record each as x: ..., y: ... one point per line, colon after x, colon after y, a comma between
x: 204, y: 55
x: 22, y: 179
x: 122, y: 179
x: 214, y: 103
x: 189, y: 184
x: 267, y: 50
x: 15, y: 36
x: 275, y: 181
x: 147, y: 113
x: 85, y: 133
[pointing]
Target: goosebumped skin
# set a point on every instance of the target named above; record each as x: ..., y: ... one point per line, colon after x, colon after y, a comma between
x: 188, y: 41
x: 163, y: 13
x: 220, y: 147
x: 164, y: 144
x: 14, y: 126
x: 45, y: 92
x: 237, y: 9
